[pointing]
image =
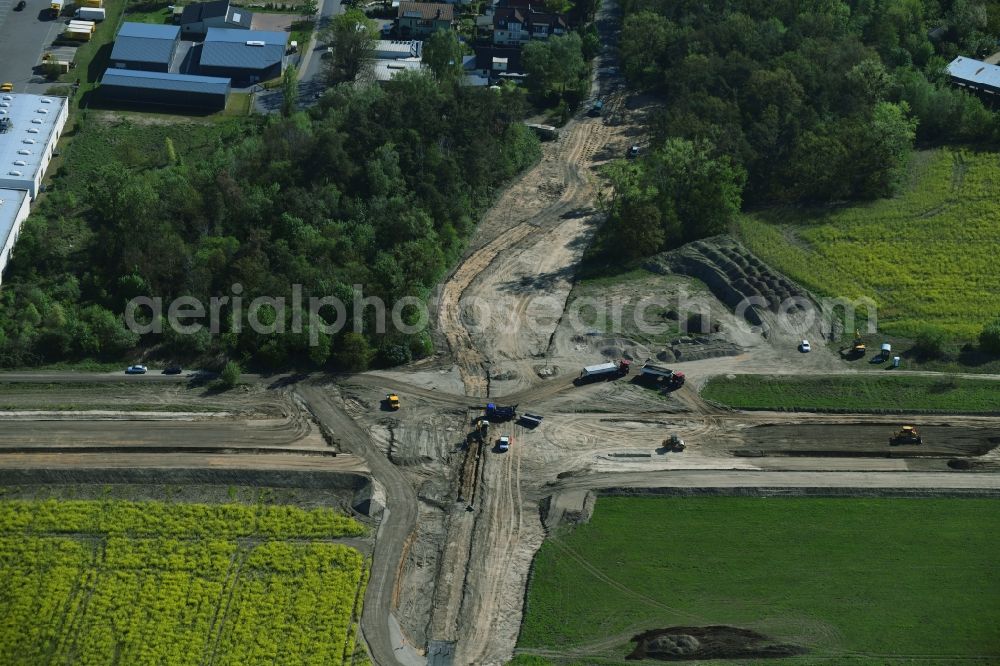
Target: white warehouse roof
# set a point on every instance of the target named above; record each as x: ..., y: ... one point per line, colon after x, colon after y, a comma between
x: 29, y: 128
x: 975, y: 72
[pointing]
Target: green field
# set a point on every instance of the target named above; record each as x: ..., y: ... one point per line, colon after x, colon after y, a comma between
x: 851, y: 580
x: 117, y: 582
x: 927, y: 257
x: 856, y: 393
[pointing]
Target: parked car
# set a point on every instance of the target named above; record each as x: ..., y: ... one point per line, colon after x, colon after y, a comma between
x: 173, y: 370
x: 503, y: 444
x: 804, y: 347
x: 20, y: 6
x: 633, y: 152
x: 136, y: 370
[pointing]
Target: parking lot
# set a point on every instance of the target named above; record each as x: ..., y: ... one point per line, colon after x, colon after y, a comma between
x: 24, y: 36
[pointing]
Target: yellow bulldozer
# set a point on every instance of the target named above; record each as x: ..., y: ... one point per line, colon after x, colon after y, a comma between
x: 905, y: 435
x: 858, y: 348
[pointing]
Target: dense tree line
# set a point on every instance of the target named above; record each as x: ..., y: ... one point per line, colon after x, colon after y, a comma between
x: 812, y: 101
x: 376, y: 187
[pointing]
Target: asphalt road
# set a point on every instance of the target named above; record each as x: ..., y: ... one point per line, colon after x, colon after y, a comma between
x: 394, y: 530
x: 311, y: 65
x: 24, y: 35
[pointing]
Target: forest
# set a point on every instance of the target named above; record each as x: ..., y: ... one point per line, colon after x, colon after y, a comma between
x: 377, y: 187
x: 787, y: 102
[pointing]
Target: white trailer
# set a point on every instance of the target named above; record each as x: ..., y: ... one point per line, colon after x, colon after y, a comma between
x: 605, y: 371
x: 91, y: 13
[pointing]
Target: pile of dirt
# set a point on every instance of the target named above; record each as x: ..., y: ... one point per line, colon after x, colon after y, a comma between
x: 735, y: 276
x: 713, y: 642
x: 690, y: 348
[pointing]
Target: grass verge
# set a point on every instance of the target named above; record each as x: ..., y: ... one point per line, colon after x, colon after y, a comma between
x: 850, y: 580
x: 926, y: 257
x: 901, y: 392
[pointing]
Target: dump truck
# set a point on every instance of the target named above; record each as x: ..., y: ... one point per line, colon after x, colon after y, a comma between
x: 56, y: 7
x: 905, y: 435
x: 658, y: 373
x: 6, y: 87
x: 530, y: 420
x: 606, y: 370
x: 496, y: 412
x: 858, y: 348
x: 392, y: 400
x: 91, y: 13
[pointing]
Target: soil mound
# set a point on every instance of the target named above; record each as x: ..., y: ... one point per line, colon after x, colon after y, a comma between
x: 714, y: 642
x: 735, y: 276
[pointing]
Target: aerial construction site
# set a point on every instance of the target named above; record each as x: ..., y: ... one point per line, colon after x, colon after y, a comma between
x: 462, y: 464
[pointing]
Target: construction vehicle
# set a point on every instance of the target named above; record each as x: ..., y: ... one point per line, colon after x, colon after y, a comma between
x: 56, y: 7
x: 859, y: 348
x: 530, y: 420
x: 503, y: 444
x: 906, y: 435
x: 658, y: 374
x: 96, y: 4
x: 483, y: 429
x: 392, y: 400
x: 6, y: 87
x: 498, y: 413
x: 606, y: 371
x: 674, y: 443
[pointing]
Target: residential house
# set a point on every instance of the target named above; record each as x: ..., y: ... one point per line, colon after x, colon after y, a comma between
x: 422, y: 19
x: 509, y: 25
x: 494, y: 64
x: 197, y: 18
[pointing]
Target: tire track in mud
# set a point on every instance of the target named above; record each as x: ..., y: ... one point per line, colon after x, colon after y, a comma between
x: 504, y: 520
x: 466, y: 283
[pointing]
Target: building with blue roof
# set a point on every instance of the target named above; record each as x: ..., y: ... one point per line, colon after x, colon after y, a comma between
x: 245, y: 56
x: 145, y: 46
x: 205, y: 93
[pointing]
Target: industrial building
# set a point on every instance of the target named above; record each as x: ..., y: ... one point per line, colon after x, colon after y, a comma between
x: 975, y: 75
x: 30, y: 127
x: 386, y: 49
x: 198, y: 17
x: 246, y: 57
x: 14, y: 206
x: 203, y: 93
x: 145, y: 46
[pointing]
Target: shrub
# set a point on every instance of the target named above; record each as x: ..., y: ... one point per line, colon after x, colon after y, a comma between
x: 929, y: 343
x: 230, y: 375
x: 989, y: 339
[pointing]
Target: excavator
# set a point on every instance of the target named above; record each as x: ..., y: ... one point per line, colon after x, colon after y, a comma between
x: 858, y: 349
x: 906, y: 435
